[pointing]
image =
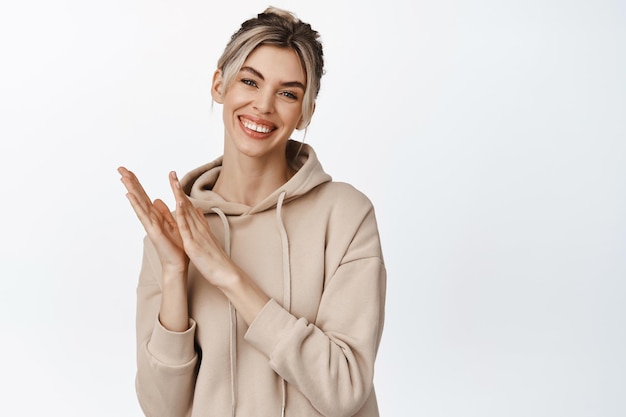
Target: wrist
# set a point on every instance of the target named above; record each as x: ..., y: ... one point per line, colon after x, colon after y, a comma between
x: 245, y: 295
x: 171, y: 273
x: 174, y: 311
x: 232, y: 281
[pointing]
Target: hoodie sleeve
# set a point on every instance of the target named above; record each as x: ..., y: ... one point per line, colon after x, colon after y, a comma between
x: 331, y: 361
x: 166, y: 361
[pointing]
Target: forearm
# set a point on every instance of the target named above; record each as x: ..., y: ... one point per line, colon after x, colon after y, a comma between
x: 246, y: 297
x: 174, y: 311
x: 330, y: 360
x: 166, y: 359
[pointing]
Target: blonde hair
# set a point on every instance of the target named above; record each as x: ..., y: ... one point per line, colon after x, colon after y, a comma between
x: 280, y: 28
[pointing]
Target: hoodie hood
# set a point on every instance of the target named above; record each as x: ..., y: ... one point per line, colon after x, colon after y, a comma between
x: 198, y: 184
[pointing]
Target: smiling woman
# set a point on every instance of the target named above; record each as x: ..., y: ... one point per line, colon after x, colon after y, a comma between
x: 264, y: 293
x: 261, y: 110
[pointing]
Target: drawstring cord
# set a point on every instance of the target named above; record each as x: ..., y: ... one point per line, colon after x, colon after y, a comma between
x: 285, y: 243
x: 233, y: 314
x: 232, y: 321
x: 286, y: 279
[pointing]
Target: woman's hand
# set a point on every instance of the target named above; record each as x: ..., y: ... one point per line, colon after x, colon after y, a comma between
x: 160, y: 226
x: 210, y: 259
x: 198, y: 241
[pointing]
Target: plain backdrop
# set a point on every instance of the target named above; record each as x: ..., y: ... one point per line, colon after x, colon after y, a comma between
x: 490, y: 136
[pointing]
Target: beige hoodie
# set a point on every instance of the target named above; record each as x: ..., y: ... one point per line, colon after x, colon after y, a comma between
x: 313, y: 247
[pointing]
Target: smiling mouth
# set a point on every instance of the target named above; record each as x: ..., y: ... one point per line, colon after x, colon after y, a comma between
x: 255, y: 127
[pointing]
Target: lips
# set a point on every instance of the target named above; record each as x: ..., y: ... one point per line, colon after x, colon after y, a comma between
x: 261, y: 127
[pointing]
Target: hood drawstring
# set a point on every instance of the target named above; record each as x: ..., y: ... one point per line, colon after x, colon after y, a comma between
x: 286, y: 278
x: 285, y: 243
x: 232, y: 319
x: 233, y: 314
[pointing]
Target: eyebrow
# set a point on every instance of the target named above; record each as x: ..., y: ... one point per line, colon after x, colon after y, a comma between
x: 253, y: 71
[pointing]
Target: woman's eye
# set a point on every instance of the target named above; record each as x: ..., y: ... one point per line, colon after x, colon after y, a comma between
x: 249, y: 82
x: 289, y: 95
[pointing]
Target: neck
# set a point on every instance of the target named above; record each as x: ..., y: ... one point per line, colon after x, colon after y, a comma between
x: 248, y: 180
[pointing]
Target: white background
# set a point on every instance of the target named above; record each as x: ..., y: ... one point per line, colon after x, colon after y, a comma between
x: 490, y: 136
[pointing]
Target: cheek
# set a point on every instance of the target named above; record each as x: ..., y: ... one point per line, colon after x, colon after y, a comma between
x: 235, y: 97
x: 293, y: 114
x: 231, y: 107
x: 228, y: 114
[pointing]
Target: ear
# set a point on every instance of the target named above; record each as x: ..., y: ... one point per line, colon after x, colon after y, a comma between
x: 217, y: 88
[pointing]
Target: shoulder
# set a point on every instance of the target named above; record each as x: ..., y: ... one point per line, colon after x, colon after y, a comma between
x: 346, y: 209
x: 343, y: 195
x: 339, y: 216
x: 352, y: 227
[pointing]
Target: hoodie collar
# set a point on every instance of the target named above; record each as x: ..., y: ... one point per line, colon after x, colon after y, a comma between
x: 198, y: 184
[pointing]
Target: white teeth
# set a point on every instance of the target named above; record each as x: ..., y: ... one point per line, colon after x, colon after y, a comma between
x: 255, y: 127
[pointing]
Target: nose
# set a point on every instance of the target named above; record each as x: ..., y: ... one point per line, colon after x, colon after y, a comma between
x: 264, y: 101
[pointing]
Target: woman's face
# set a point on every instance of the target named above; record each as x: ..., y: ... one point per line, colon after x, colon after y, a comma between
x: 263, y: 105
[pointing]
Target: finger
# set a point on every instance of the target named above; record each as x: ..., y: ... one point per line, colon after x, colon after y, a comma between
x: 185, y: 221
x: 149, y: 215
x: 165, y: 212
x: 193, y: 216
x: 148, y: 219
x: 134, y: 187
x: 177, y: 189
x: 192, y: 224
x: 184, y: 208
x: 182, y: 203
x: 130, y: 181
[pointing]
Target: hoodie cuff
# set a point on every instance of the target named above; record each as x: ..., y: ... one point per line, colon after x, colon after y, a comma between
x: 268, y: 327
x: 172, y: 348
